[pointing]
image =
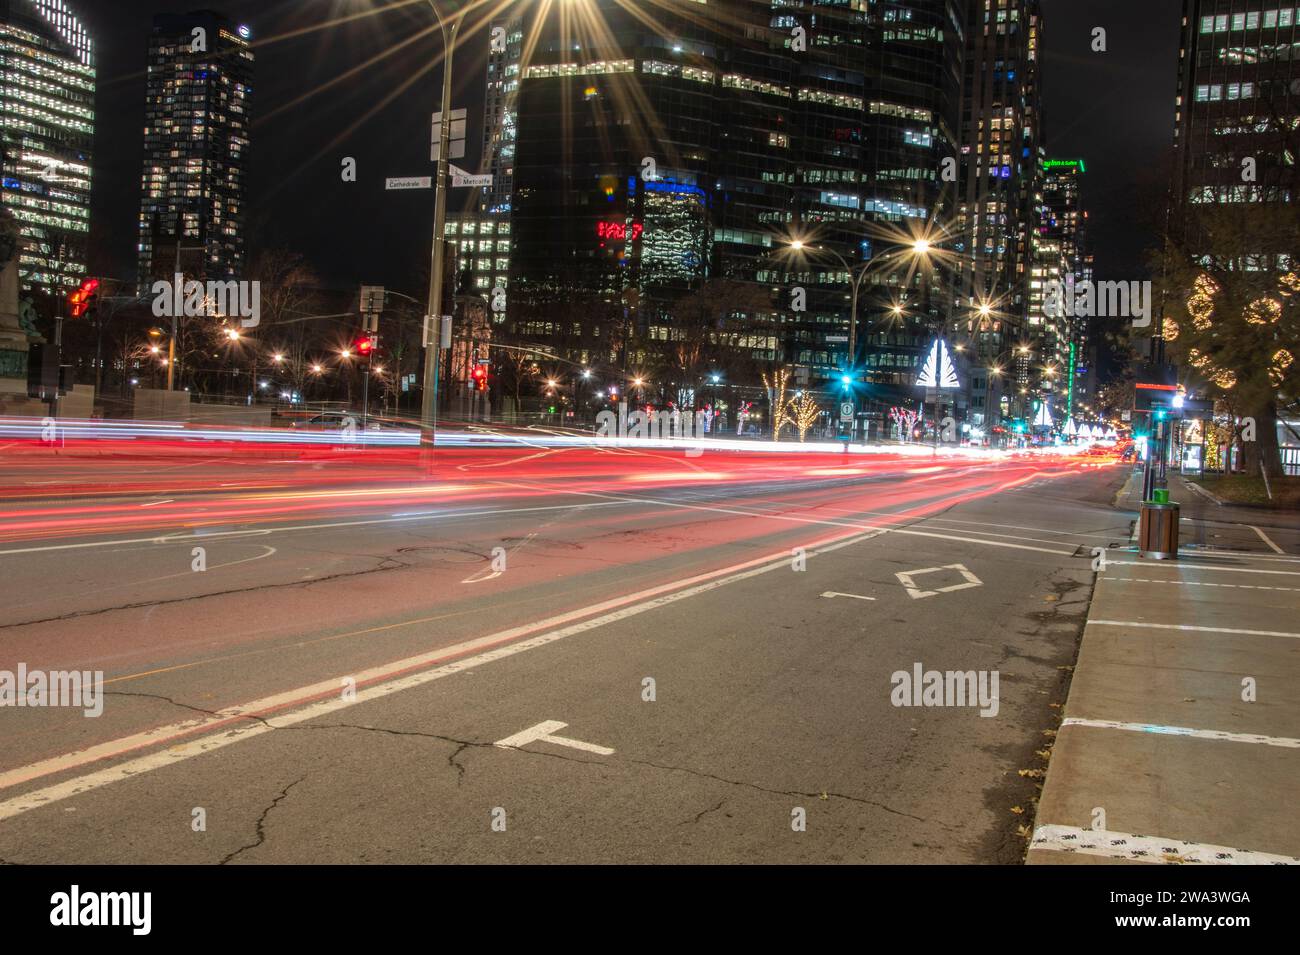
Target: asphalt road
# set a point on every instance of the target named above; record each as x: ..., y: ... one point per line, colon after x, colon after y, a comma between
x: 714, y: 641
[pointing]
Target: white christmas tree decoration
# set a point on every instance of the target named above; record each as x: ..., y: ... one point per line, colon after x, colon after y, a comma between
x: 938, y: 370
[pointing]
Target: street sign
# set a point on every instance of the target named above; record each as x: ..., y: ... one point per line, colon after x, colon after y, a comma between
x: 1180, y: 406
x: 461, y: 178
x: 432, y: 331
x: 372, y: 298
x: 837, y: 338
x: 409, y: 182
x: 455, y: 137
x: 846, y: 411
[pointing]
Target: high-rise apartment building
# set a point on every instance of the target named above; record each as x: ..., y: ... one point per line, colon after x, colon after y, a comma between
x: 196, y: 141
x: 47, y: 124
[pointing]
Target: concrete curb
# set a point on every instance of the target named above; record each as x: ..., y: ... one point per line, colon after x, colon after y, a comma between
x: 1202, y: 491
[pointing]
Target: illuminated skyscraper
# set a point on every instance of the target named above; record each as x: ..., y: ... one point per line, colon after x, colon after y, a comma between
x: 655, y: 155
x: 47, y: 124
x: 196, y: 140
x: 1000, y: 200
x: 506, y: 41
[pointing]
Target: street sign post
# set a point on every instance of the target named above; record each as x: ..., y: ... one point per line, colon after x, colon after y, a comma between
x: 460, y: 178
x: 456, y: 134
x: 409, y: 182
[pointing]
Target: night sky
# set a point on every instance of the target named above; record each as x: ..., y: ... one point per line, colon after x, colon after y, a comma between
x: 1114, y: 110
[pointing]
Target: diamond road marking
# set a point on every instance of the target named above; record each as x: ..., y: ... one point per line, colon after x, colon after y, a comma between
x: 908, y: 580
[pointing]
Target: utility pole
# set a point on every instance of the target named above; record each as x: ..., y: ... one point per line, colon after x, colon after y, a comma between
x: 433, y: 351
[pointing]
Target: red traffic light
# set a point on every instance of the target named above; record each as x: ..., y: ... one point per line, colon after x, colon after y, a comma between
x: 79, y: 301
x: 364, y: 346
x: 480, y: 376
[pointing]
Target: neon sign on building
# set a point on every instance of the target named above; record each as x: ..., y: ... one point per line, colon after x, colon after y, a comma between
x: 619, y: 230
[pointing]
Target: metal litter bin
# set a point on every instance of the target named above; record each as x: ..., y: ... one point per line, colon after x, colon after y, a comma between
x: 1158, y: 529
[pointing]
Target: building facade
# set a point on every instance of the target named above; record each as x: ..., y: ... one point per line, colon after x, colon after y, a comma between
x: 500, y: 113
x: 196, y: 142
x: 1238, y: 91
x: 1000, y: 206
x: 47, y: 125
x: 657, y: 156
x: 1062, y: 257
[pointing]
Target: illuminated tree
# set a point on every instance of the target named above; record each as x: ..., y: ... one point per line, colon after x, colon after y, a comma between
x: 1231, y: 294
x: 804, y: 412
x: 776, y: 392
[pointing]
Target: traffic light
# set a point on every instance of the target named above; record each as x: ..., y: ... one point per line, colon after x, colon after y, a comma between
x: 365, y: 345
x: 480, y: 377
x: 83, y: 299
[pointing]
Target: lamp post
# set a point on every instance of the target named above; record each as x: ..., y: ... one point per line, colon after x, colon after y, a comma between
x: 857, y: 276
x: 433, y: 351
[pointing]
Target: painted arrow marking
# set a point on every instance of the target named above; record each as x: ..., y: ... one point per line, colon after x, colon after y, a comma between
x: 544, y: 733
x: 836, y: 593
x: 908, y: 580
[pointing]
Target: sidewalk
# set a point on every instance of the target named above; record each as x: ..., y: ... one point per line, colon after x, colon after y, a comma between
x: 1181, y: 735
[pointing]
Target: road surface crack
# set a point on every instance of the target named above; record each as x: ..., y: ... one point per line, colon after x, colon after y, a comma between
x: 385, y: 564
x: 187, y: 706
x: 261, y: 822
x: 701, y: 815
x: 460, y: 744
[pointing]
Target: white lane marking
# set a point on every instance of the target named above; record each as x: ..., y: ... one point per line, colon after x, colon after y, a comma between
x: 1264, y: 538
x: 908, y: 580
x: 544, y: 733
x: 170, y: 500
x: 836, y: 593
x: 1253, y: 556
x: 1124, y: 845
x: 376, y: 683
x: 811, y: 520
x: 1186, y: 626
x: 1160, y: 730
x: 1014, y: 537
x: 1196, y: 583
x: 199, y: 535
x: 474, y: 578
x: 1181, y: 565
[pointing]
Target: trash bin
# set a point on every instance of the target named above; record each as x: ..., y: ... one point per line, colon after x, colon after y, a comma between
x: 1158, y: 529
